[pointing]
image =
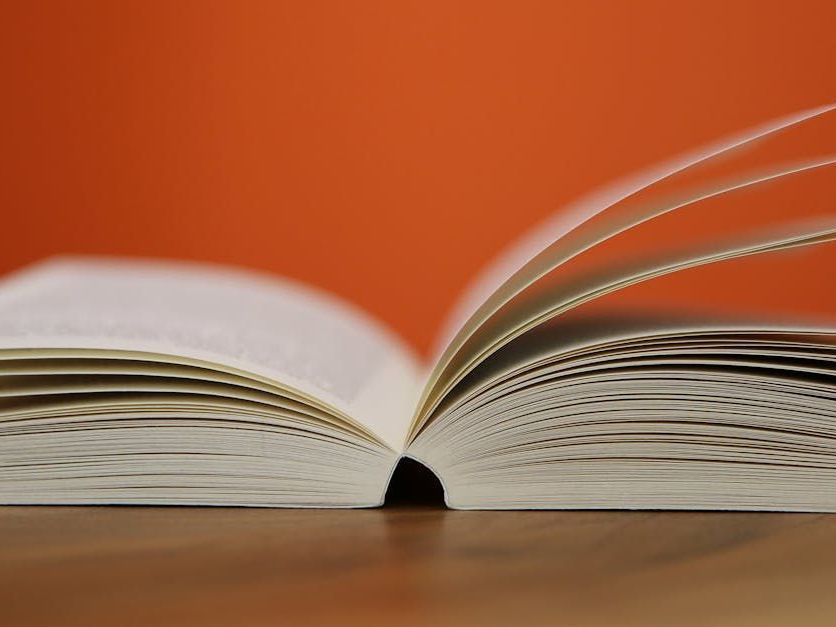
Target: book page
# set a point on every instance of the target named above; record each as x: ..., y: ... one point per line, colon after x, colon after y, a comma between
x: 578, y: 228
x: 535, y: 253
x: 527, y: 314
x: 300, y: 338
x: 607, y: 333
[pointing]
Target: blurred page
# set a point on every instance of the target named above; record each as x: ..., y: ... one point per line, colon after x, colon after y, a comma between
x: 538, y: 306
x: 585, y: 225
x: 542, y: 248
x: 306, y: 340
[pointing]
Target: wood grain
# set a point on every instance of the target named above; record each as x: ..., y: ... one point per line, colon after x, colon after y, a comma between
x: 412, y: 566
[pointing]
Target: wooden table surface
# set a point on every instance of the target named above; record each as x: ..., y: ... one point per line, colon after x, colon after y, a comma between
x: 412, y: 565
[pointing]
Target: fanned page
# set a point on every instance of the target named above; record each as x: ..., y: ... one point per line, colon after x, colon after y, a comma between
x: 235, y: 388
x: 750, y: 159
x: 518, y: 437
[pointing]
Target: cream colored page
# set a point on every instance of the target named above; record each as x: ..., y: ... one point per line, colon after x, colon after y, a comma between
x: 527, y: 259
x: 516, y: 321
x: 277, y: 329
x: 544, y: 249
x: 564, y: 336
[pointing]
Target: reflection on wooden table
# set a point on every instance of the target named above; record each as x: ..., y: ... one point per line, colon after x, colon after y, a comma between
x: 412, y: 565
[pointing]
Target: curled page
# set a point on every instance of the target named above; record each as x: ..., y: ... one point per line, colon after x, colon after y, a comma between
x: 512, y: 271
x: 325, y: 351
x: 548, y: 247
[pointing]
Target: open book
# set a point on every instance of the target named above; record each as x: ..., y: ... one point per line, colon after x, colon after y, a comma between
x: 665, y: 343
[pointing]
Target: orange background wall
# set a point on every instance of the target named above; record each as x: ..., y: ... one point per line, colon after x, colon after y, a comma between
x: 382, y: 150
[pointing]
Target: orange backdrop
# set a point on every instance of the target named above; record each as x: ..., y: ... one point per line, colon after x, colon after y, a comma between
x: 382, y: 150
